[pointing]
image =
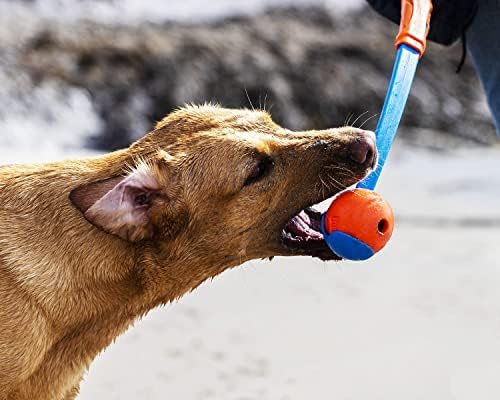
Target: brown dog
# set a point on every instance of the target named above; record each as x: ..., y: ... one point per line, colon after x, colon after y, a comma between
x: 89, y: 246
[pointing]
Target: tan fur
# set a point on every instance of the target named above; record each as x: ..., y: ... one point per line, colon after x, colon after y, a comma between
x: 69, y: 288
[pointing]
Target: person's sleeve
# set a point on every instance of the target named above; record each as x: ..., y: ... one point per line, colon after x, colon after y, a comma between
x: 483, y: 38
x: 450, y: 18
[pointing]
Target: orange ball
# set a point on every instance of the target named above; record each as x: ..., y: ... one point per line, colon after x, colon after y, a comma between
x: 363, y: 215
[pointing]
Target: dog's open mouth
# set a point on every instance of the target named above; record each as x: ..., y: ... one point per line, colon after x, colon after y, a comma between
x: 302, y: 235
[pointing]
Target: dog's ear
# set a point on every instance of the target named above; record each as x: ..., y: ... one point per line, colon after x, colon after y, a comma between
x: 121, y: 205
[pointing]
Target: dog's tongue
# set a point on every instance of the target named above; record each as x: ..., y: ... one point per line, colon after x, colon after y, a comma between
x: 301, y: 226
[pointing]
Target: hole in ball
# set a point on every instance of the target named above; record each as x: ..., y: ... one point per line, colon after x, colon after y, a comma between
x: 383, y: 226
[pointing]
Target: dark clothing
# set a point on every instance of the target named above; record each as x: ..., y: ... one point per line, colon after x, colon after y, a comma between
x: 450, y: 18
x: 483, y: 39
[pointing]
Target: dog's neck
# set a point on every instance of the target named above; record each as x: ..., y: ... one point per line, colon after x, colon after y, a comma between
x: 90, y: 285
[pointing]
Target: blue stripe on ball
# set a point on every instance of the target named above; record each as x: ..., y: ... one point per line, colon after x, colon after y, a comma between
x: 348, y: 247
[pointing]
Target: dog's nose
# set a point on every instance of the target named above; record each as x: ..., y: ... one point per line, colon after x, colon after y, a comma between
x: 363, y: 150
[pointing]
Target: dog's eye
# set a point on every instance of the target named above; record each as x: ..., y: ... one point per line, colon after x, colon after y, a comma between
x: 260, y: 170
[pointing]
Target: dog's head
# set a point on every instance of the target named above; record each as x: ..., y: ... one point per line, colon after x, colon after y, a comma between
x: 228, y: 186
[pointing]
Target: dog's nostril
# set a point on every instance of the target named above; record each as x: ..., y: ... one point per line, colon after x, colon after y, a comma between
x: 369, y: 155
x: 363, y: 150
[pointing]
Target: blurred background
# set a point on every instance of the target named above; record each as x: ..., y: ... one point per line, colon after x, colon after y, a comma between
x: 419, y: 321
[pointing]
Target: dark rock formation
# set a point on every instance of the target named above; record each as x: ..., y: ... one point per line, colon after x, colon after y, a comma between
x: 308, y: 67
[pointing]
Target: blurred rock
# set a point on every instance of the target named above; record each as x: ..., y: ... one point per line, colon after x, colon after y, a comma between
x: 310, y: 68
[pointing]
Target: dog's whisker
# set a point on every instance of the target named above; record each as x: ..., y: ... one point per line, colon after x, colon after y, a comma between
x: 323, y: 187
x: 249, y: 100
x: 346, y: 172
x: 337, y: 168
x: 347, y: 119
x: 360, y: 115
x: 368, y: 119
x: 338, y: 184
